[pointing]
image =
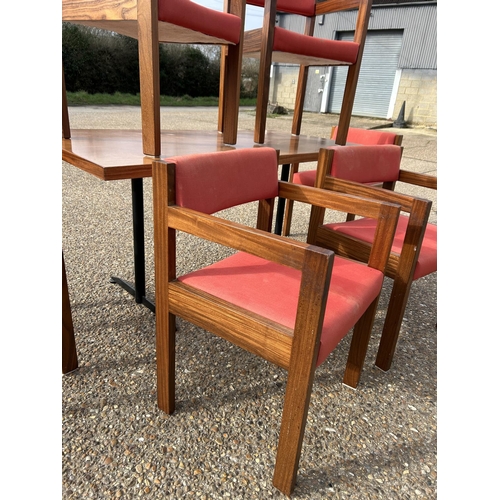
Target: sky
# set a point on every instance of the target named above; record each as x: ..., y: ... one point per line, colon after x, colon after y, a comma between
x: 253, y: 18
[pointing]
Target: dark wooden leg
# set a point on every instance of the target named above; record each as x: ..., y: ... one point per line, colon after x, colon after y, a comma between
x: 231, y: 100
x: 280, y: 209
x: 230, y: 75
x: 347, y: 104
x: 392, y: 324
x: 69, y: 355
x: 222, y: 94
x: 266, y: 52
x: 359, y: 346
x: 287, y: 221
x: 66, y: 130
x: 165, y: 361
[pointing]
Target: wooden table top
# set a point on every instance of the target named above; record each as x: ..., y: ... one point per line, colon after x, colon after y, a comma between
x: 117, y: 154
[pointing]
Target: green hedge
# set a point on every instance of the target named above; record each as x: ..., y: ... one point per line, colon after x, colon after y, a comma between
x: 98, y: 61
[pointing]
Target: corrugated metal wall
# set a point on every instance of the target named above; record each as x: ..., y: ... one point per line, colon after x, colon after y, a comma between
x: 418, y: 22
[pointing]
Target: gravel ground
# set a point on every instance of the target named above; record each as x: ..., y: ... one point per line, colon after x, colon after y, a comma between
x: 378, y: 442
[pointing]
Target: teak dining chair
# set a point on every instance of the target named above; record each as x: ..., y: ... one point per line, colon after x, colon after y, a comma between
x: 347, y: 169
x: 272, y: 43
x: 170, y: 21
x: 354, y: 136
x: 284, y: 300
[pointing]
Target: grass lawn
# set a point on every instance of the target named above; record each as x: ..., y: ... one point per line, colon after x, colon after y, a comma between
x: 85, y: 99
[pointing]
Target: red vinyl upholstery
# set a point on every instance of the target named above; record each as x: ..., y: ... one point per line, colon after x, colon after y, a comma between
x: 353, y: 288
x: 191, y: 15
x: 210, y: 182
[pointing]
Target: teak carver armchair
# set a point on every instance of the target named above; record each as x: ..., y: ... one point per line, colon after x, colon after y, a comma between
x: 284, y: 300
x: 170, y: 21
x: 354, y: 136
x: 414, y: 251
x: 272, y: 43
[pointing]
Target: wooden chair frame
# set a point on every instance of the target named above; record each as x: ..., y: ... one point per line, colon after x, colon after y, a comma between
x: 139, y: 19
x: 293, y: 349
x: 287, y: 219
x: 259, y: 43
x: 400, y: 267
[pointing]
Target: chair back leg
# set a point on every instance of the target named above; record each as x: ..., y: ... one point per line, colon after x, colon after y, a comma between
x: 266, y: 53
x: 359, y: 346
x: 69, y: 355
x: 66, y: 129
x: 231, y: 94
x: 230, y: 80
x: 149, y: 75
x: 393, y: 321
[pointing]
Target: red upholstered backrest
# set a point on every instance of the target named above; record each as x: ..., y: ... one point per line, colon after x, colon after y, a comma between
x: 367, y: 137
x: 197, y: 17
x: 300, y: 7
x: 211, y: 182
x: 366, y: 163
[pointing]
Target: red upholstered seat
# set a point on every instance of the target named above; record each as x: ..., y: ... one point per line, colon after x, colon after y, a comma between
x: 353, y: 288
x: 196, y: 17
x: 364, y: 229
x: 310, y: 46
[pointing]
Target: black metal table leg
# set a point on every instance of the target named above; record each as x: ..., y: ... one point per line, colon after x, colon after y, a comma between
x: 139, y: 289
x: 280, y: 209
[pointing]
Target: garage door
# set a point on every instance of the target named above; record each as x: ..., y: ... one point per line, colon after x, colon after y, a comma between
x: 376, y: 77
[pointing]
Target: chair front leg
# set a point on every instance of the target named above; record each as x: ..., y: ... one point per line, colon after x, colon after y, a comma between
x: 165, y: 359
x: 302, y: 366
x: 295, y: 410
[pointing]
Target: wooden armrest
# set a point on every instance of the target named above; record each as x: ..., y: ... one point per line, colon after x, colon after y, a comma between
x: 365, y: 206
x: 386, y: 213
x: 231, y: 234
x: 376, y: 193
x: 423, y: 180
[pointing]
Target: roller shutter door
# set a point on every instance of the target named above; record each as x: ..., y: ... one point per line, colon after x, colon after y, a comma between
x: 376, y: 76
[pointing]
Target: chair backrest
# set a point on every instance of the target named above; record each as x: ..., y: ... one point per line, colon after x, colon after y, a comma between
x: 366, y: 164
x: 211, y: 182
x: 370, y: 137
